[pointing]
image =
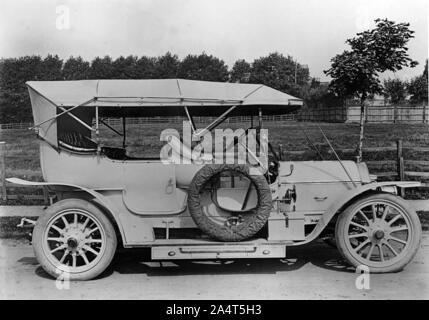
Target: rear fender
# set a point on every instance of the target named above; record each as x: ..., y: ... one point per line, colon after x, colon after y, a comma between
x: 100, y: 199
x: 346, y: 198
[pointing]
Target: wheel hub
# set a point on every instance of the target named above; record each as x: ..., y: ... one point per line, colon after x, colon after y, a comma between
x: 377, y: 231
x: 379, y: 234
x: 75, y: 238
x: 72, y: 243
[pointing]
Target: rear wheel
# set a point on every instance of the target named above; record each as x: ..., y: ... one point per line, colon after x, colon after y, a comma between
x: 379, y: 231
x: 74, y: 239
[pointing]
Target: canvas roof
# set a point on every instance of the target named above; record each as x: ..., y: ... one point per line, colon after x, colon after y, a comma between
x: 148, y: 98
x: 160, y: 92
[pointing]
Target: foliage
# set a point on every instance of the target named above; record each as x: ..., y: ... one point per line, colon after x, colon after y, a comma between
x: 101, y: 68
x: 203, y: 67
x: 274, y: 70
x: 14, y: 99
x: 51, y: 68
x: 318, y: 95
x: 280, y: 72
x: 75, y: 69
x: 166, y: 66
x: 145, y: 68
x: 395, y: 90
x: 124, y: 68
x: 418, y: 87
x: 241, y: 71
x: 356, y: 72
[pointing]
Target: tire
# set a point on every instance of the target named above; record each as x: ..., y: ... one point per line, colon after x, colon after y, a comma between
x: 200, y: 205
x: 392, y: 238
x: 82, y: 250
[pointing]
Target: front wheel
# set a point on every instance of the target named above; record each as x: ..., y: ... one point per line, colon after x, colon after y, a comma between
x: 379, y: 231
x: 74, y: 240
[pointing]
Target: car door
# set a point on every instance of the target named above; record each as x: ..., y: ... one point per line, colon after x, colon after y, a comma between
x: 150, y: 188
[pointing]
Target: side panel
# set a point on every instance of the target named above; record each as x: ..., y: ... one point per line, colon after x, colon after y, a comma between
x: 151, y: 187
x: 88, y: 171
x: 43, y: 110
x: 318, y: 196
x: 318, y: 171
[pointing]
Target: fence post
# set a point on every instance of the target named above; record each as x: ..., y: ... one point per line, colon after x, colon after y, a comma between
x: 3, y: 170
x: 400, y: 160
x: 280, y: 152
x: 424, y: 113
x: 395, y: 113
x: 46, y: 196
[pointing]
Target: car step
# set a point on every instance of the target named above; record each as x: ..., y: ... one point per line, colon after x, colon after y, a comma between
x: 218, y: 252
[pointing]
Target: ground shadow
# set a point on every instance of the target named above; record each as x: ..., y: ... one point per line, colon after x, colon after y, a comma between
x: 40, y: 272
x: 317, y: 253
x: 28, y: 261
x: 136, y: 261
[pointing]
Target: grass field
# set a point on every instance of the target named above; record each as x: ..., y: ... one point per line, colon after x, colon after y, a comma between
x: 22, y: 150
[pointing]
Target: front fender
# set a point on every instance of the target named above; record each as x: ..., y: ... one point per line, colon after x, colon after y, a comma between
x: 349, y: 196
x: 99, y: 197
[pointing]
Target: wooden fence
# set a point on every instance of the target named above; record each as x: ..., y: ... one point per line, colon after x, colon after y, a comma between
x: 390, y: 114
x: 400, y: 173
x: 376, y: 113
x: 5, y: 195
x: 153, y: 120
x: 334, y: 114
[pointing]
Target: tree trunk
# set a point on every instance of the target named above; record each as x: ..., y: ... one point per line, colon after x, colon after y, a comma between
x: 362, y: 125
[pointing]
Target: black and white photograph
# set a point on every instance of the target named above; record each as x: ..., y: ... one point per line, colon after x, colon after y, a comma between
x: 229, y: 152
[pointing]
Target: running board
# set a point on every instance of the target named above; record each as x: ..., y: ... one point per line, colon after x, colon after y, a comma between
x: 232, y: 251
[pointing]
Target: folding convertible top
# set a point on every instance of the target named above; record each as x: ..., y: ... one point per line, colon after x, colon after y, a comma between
x: 84, y: 100
x: 160, y: 93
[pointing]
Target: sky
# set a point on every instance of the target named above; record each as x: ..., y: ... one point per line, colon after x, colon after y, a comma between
x: 312, y: 31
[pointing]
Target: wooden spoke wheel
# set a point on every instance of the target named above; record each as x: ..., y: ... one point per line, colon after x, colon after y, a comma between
x: 379, y: 231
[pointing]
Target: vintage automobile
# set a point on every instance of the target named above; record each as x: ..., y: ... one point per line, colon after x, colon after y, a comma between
x: 105, y: 197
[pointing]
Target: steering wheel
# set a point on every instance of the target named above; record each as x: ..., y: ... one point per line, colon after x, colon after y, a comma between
x: 273, y: 158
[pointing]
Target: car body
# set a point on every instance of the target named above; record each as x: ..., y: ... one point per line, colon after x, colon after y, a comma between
x: 146, y: 201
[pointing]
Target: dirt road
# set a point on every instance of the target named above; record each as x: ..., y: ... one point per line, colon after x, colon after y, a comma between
x: 311, y: 272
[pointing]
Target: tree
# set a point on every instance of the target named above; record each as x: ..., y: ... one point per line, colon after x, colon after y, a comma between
x: 14, y: 99
x: 318, y: 95
x: 241, y: 71
x: 145, y: 68
x: 395, y: 90
x: 356, y: 72
x: 418, y: 87
x: 75, y: 69
x: 124, y: 68
x: 425, y: 72
x: 50, y: 68
x: 166, y: 66
x: 203, y: 67
x: 280, y: 72
x: 101, y: 68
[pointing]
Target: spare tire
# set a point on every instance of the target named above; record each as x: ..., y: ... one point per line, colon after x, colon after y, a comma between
x: 201, y: 206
